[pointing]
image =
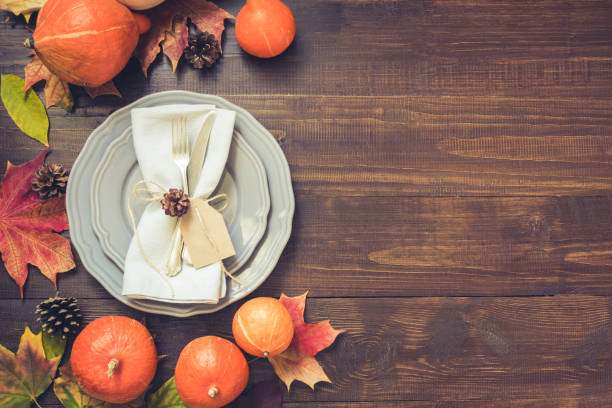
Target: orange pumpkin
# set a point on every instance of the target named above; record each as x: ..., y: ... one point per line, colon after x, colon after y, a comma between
x: 86, y: 42
x: 263, y: 327
x: 211, y: 372
x: 114, y: 359
x: 265, y: 28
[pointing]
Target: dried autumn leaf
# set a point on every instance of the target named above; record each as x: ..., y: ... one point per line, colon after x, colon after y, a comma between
x: 169, y: 28
x: 24, y: 7
x: 26, y: 374
x: 166, y: 397
x: 298, y: 362
x: 27, y: 224
x: 57, y: 92
x: 108, y: 88
x: 26, y: 110
x: 69, y: 393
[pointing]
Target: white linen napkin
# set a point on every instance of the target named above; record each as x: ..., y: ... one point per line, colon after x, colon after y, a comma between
x: 152, y: 134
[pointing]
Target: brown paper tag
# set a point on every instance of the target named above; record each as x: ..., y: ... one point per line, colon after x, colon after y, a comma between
x: 205, y: 234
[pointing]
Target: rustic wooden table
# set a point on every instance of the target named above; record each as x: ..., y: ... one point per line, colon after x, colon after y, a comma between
x: 452, y: 167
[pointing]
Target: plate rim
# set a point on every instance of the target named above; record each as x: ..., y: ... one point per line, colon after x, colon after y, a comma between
x: 124, y: 138
x: 287, y: 213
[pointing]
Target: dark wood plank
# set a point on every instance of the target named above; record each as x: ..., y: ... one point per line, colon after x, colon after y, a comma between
x: 382, y: 246
x: 437, y: 148
x: 394, y: 47
x: 421, y: 349
x: 362, y: 146
x: 585, y: 402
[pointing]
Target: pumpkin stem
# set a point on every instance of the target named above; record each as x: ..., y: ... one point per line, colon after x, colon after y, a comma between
x: 29, y: 42
x: 213, y: 392
x: 112, y: 365
x: 266, y: 353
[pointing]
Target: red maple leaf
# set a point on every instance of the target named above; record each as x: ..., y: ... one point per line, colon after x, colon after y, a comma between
x: 169, y: 28
x: 298, y: 362
x: 27, y: 224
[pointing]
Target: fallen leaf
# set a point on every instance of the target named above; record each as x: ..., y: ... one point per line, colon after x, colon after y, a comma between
x: 21, y: 6
x: 290, y: 366
x: 26, y: 110
x: 57, y: 92
x: 298, y: 362
x: 166, y: 397
x: 26, y: 374
x: 264, y: 394
x: 69, y: 393
x: 108, y: 88
x: 54, y: 346
x: 309, y: 338
x: 170, y: 32
x: 27, y: 224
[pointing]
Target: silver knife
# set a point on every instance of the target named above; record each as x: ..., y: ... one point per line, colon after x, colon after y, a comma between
x: 198, y: 154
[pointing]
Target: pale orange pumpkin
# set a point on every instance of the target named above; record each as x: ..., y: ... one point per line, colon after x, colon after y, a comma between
x: 86, y: 42
x: 211, y: 372
x: 114, y: 359
x: 263, y: 327
x: 265, y: 28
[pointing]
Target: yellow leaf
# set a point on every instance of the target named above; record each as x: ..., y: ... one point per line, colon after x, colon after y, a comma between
x: 26, y: 374
x: 26, y: 110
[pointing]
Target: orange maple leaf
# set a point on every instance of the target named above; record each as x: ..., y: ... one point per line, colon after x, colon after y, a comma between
x: 27, y: 224
x: 298, y: 362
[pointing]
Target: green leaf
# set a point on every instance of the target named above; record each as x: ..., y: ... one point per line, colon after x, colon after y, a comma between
x: 26, y: 110
x: 69, y: 393
x: 166, y: 397
x: 26, y: 374
x: 53, y: 345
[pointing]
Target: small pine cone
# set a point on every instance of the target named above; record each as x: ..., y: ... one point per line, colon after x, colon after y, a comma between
x: 202, y: 49
x: 50, y: 180
x: 175, y: 202
x: 59, y: 316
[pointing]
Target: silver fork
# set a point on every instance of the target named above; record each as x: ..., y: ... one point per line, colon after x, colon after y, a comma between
x: 180, y: 155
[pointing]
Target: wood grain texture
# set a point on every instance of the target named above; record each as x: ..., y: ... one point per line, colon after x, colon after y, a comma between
x: 428, y: 349
x: 420, y: 246
x: 407, y: 146
x: 585, y: 402
x: 437, y: 148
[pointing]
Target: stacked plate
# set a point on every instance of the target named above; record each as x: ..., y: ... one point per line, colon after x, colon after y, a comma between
x: 256, y: 179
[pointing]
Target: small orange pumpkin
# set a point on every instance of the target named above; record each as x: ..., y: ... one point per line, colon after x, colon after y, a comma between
x: 265, y: 28
x: 263, y: 327
x: 87, y: 42
x: 114, y: 359
x: 211, y: 372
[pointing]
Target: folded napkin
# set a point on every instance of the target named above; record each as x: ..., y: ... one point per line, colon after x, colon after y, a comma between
x: 152, y: 134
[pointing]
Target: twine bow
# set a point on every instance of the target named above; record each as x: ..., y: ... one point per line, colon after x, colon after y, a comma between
x: 149, y: 195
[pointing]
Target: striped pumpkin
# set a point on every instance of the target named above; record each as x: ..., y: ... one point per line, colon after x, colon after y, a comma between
x: 87, y: 42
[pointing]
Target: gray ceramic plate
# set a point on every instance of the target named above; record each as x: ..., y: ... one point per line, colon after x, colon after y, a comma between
x: 244, y: 181
x: 265, y: 256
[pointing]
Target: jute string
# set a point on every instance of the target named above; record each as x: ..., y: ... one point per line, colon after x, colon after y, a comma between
x: 156, y: 195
